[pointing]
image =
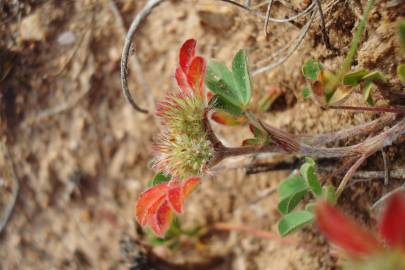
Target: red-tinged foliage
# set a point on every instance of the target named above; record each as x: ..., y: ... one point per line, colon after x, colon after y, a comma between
x: 344, y: 232
x: 392, y: 226
x: 355, y: 240
x: 156, y: 205
x: 227, y: 119
x: 190, y: 73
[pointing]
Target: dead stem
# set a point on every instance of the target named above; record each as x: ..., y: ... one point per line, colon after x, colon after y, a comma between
x: 365, y: 128
x: 289, y: 143
x: 350, y: 173
x: 368, y: 109
x: 15, y: 191
x: 127, y: 48
x: 387, y: 196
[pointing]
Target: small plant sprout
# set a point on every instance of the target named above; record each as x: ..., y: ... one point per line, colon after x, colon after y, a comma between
x: 293, y: 190
x: 333, y: 88
x: 365, y: 250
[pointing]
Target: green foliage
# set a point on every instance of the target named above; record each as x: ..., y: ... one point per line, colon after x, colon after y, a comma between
x: 232, y: 88
x: 294, y: 221
x: 401, y: 72
x: 311, y: 69
x: 354, y: 78
x: 293, y: 190
x: 331, y: 87
x: 308, y: 172
x: 368, y: 86
x: 158, y: 179
x: 172, y: 237
x: 402, y: 34
x: 307, y: 92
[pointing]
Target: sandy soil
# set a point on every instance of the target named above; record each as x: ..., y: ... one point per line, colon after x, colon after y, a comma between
x: 82, y: 154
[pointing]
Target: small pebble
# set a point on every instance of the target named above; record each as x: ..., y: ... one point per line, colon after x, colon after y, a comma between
x: 66, y: 38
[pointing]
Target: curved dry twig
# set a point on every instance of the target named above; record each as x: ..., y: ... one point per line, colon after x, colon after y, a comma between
x: 16, y: 189
x: 127, y: 48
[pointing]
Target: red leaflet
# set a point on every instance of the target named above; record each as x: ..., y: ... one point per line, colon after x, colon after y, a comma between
x: 190, y: 185
x: 392, y: 226
x: 190, y: 74
x: 156, y: 205
x: 344, y: 232
x: 175, y: 197
x: 187, y: 52
x: 146, y: 201
x: 195, y: 74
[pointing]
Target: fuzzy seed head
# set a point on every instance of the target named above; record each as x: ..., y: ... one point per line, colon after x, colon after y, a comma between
x: 183, y: 149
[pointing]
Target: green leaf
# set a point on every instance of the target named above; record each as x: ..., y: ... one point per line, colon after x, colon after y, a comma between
x: 329, y: 194
x: 294, y: 221
x: 291, y: 191
x: 402, y: 34
x: 368, y: 86
x: 159, y: 178
x: 374, y: 76
x: 311, y: 69
x: 222, y: 103
x: 308, y: 172
x: 287, y: 204
x: 401, y: 72
x: 221, y: 82
x: 354, y: 78
x: 241, y: 75
x: 307, y: 92
x: 291, y: 185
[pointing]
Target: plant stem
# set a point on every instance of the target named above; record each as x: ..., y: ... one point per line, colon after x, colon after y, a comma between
x: 346, y: 66
x: 369, y: 109
x: 350, y: 173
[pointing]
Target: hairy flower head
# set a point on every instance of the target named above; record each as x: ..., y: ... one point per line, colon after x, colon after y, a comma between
x: 184, y: 149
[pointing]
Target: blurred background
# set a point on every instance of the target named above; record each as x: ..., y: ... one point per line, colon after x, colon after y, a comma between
x: 81, y: 155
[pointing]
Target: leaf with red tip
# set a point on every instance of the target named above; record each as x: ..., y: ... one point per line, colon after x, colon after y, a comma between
x: 160, y: 222
x: 344, y: 232
x: 227, y: 119
x: 187, y: 52
x: 146, y: 200
x: 189, y: 185
x: 392, y: 227
x: 175, y: 197
x: 195, y: 74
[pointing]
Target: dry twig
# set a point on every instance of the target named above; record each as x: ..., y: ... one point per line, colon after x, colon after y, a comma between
x: 147, y: 9
x: 16, y: 187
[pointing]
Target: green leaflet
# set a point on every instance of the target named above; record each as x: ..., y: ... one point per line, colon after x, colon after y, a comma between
x: 294, y: 221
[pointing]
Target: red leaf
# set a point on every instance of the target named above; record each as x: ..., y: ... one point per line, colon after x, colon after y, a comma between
x: 160, y: 222
x: 156, y: 216
x: 175, y: 197
x: 182, y: 81
x: 227, y: 119
x: 187, y: 52
x: 189, y: 185
x: 195, y: 74
x: 392, y: 226
x: 344, y: 232
x: 146, y: 201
